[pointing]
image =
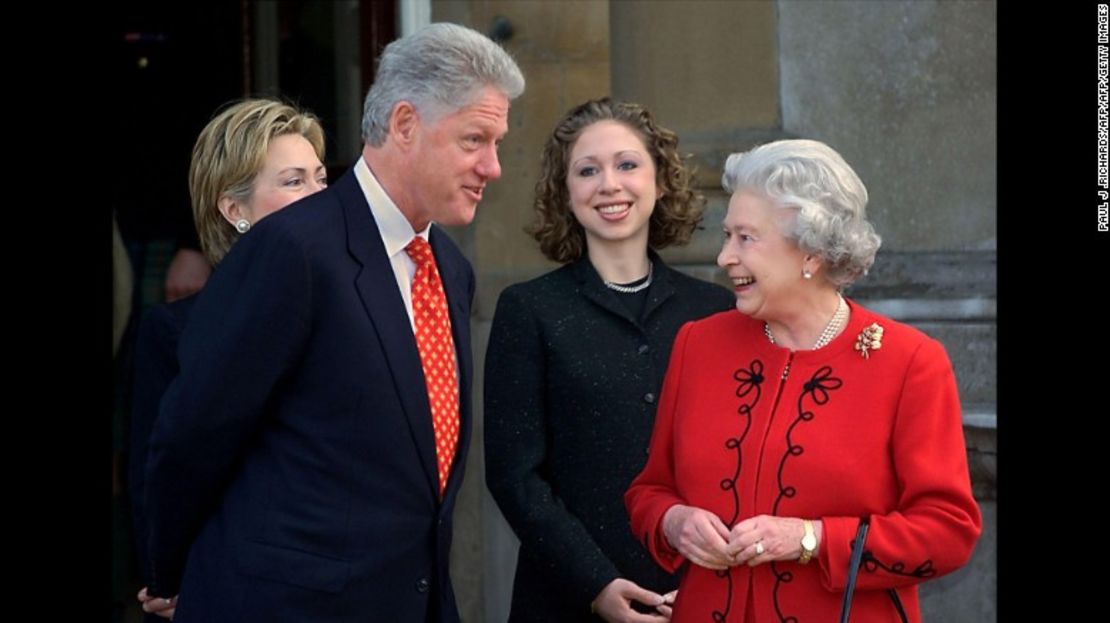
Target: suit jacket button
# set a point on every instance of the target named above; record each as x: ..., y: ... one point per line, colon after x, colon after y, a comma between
x: 422, y: 585
x: 649, y: 398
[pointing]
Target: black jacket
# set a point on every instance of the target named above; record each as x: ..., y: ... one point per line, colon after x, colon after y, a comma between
x: 572, y: 381
x: 155, y: 367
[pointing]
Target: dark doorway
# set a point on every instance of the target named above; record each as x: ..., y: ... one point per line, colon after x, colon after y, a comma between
x: 175, y: 64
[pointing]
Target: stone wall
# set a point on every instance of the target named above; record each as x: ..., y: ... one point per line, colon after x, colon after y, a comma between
x: 905, y: 90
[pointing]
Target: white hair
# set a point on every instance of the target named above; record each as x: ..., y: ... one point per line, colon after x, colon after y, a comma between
x: 830, y: 199
x: 440, y: 68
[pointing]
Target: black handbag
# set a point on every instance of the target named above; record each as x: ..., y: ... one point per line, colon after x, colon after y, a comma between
x: 853, y: 571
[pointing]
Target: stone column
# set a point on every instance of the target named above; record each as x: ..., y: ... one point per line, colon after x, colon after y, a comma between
x: 563, y: 49
x: 906, y: 92
x: 708, y: 71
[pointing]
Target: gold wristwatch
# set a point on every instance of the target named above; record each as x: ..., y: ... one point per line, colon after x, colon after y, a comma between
x: 809, y: 542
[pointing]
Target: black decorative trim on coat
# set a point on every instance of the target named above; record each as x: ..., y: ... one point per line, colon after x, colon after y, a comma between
x: 871, y: 564
x: 817, y: 388
x: 749, y: 380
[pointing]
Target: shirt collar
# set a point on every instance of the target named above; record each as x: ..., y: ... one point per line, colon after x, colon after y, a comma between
x: 396, y: 231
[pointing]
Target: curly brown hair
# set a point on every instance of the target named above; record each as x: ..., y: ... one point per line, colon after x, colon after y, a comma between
x: 678, y: 209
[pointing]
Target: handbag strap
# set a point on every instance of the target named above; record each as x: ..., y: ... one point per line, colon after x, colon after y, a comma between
x: 898, y: 604
x: 853, y: 571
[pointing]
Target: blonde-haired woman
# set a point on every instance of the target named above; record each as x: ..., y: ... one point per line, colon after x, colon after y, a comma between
x: 254, y: 158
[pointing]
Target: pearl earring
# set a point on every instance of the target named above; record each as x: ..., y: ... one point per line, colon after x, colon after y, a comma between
x: 242, y: 225
x: 807, y: 274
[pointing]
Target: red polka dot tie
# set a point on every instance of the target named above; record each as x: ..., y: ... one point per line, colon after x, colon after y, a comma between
x: 437, y: 354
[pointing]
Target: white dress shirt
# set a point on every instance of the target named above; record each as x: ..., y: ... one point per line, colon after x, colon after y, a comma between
x: 396, y: 232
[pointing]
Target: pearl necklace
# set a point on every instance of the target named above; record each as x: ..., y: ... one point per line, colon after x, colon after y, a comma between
x: 632, y: 289
x: 838, y: 321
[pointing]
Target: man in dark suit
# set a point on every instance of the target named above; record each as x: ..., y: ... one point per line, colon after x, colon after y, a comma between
x: 305, y: 462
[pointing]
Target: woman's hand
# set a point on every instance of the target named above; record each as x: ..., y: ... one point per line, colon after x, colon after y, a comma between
x: 764, y: 538
x: 668, y: 603
x: 158, y: 605
x: 699, y: 535
x: 614, y: 603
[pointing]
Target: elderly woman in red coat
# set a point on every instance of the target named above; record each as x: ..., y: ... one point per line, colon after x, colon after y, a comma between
x: 782, y: 427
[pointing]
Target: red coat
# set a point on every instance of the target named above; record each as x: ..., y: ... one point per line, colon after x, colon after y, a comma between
x: 842, y: 437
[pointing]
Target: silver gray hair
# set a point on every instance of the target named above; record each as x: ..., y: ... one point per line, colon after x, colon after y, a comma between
x: 438, y: 69
x: 830, y: 200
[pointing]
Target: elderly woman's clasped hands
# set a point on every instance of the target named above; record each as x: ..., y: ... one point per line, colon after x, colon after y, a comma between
x: 705, y: 540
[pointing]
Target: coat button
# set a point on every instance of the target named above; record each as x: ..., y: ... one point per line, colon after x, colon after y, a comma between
x: 422, y: 585
x: 643, y: 349
x: 649, y: 398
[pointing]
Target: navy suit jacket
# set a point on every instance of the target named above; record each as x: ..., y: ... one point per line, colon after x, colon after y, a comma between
x: 155, y: 366
x: 292, y: 471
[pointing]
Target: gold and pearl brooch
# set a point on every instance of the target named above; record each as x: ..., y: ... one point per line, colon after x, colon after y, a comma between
x: 871, y: 338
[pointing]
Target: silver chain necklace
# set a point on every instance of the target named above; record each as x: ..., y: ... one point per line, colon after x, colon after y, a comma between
x: 632, y: 289
x: 839, y: 319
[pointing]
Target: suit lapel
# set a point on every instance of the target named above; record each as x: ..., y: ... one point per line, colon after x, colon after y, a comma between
x: 593, y: 288
x: 661, y: 287
x: 377, y: 287
x: 458, y: 303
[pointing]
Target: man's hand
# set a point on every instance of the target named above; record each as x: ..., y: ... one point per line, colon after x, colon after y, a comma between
x: 158, y: 605
x: 187, y: 274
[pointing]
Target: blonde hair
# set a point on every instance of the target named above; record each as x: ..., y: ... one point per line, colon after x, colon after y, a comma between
x: 227, y: 157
